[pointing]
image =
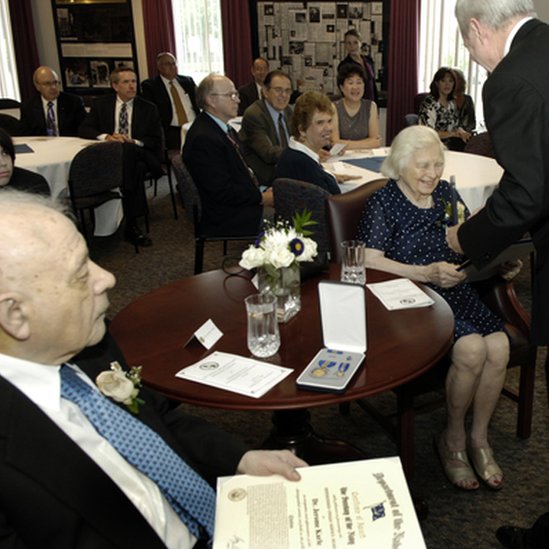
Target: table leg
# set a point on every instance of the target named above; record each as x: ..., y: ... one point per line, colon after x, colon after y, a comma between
x: 292, y: 430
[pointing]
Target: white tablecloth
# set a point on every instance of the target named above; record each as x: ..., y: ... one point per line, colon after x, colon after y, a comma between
x: 51, y: 158
x: 476, y: 176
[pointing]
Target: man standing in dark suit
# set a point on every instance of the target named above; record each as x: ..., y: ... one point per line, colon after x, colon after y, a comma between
x: 252, y: 91
x: 506, y: 39
x: 265, y: 126
x: 68, y: 477
x: 53, y: 112
x: 174, y: 95
x: 232, y: 204
x: 135, y: 122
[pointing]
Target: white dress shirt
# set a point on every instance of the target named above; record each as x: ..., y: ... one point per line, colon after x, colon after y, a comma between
x: 42, y: 384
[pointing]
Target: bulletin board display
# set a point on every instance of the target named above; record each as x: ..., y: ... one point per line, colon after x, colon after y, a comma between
x: 93, y: 38
x: 305, y: 39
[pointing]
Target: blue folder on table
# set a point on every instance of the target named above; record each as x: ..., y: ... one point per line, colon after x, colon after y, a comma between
x: 372, y: 163
x: 22, y: 149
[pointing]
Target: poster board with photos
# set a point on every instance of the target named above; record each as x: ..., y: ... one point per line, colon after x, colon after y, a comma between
x: 305, y: 39
x: 93, y: 38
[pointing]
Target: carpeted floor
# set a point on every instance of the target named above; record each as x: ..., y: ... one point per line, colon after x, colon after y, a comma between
x: 456, y: 519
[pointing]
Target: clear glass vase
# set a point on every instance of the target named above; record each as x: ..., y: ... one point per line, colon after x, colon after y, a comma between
x: 284, y: 283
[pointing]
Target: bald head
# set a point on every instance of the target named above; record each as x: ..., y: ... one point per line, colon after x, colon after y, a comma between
x: 52, y: 297
x: 46, y: 82
x: 167, y: 65
x: 217, y: 95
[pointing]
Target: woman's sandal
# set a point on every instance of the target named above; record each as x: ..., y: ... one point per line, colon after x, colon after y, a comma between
x: 462, y: 472
x: 485, y: 466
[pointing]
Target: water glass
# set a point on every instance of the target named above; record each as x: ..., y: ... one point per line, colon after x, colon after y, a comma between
x: 352, y: 267
x: 263, y: 334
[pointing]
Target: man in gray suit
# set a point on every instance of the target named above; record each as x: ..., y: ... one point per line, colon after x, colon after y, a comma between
x: 265, y: 126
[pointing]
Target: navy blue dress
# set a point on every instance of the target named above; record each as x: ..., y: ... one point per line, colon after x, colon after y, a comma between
x: 417, y: 236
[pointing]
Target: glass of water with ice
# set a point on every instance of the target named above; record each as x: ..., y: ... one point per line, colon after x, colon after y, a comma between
x: 263, y: 334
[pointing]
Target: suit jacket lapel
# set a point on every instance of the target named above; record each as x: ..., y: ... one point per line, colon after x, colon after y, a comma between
x: 38, y: 449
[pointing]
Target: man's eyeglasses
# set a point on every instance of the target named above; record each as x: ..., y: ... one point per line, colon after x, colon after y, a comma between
x: 49, y: 84
x: 233, y: 95
x: 280, y: 91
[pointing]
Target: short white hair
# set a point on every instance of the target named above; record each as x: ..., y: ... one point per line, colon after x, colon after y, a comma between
x: 405, y: 144
x: 493, y: 13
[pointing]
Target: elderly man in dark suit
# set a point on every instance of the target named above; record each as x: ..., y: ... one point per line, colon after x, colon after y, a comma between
x: 135, y: 122
x: 174, y: 95
x: 52, y: 112
x: 265, y: 126
x: 81, y: 465
x: 232, y: 203
x: 251, y: 91
x: 511, y: 44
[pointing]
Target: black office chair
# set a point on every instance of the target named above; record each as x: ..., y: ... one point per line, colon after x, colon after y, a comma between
x: 94, y: 178
x: 193, y: 208
x: 292, y: 196
x: 167, y: 169
x: 10, y: 124
x: 9, y: 104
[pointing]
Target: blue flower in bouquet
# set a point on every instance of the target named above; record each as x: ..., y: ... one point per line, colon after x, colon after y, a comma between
x: 297, y: 247
x: 282, y: 244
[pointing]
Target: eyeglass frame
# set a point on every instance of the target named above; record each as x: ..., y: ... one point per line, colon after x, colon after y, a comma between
x: 233, y: 95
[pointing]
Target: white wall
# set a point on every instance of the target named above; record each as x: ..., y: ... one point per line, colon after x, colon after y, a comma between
x: 542, y: 7
x: 46, y: 43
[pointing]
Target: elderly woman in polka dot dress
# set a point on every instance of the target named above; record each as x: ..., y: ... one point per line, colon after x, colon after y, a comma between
x: 403, y: 226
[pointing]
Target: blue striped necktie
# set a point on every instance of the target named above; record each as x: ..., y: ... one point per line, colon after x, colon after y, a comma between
x: 51, y: 128
x: 191, y: 497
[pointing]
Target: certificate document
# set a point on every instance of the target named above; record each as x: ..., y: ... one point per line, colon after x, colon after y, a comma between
x: 359, y: 504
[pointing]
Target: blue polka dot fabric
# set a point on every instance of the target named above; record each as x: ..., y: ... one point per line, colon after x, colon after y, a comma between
x: 417, y: 236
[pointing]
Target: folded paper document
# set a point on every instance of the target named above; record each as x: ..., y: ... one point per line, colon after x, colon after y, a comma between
x: 400, y: 293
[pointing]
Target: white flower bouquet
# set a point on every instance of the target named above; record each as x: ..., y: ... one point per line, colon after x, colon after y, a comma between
x: 282, y: 245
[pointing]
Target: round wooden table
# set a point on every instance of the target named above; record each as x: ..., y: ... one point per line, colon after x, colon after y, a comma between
x: 153, y: 332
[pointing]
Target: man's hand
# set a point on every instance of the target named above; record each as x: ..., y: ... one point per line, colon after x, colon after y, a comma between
x: 121, y: 138
x: 452, y: 239
x: 270, y: 462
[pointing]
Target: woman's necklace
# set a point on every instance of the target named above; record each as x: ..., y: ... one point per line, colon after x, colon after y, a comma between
x: 424, y: 202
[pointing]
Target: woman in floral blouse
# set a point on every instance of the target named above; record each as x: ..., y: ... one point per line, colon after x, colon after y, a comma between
x: 439, y: 111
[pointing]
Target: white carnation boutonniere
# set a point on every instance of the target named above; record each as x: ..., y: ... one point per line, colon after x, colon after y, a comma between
x: 121, y: 386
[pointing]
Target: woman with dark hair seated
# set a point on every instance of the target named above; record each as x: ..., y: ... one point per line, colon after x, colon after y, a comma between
x: 311, y: 129
x: 18, y: 178
x: 439, y: 111
x: 355, y: 118
x: 404, y: 228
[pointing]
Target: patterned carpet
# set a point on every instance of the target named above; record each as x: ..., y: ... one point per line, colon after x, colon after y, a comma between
x: 456, y: 519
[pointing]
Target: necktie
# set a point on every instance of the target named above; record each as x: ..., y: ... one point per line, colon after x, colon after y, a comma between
x: 233, y: 138
x: 179, y: 109
x: 189, y: 494
x: 51, y: 127
x: 282, y: 131
x: 123, y: 127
